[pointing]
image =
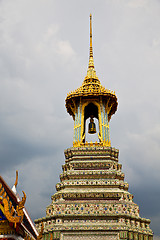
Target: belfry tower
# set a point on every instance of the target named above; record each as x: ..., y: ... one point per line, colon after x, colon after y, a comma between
x: 91, y: 100
x: 92, y: 200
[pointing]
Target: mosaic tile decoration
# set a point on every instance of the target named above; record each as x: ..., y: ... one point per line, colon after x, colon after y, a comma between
x: 93, y: 196
x: 90, y: 237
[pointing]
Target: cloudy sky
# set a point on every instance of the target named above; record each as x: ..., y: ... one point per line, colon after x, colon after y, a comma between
x: 44, y: 46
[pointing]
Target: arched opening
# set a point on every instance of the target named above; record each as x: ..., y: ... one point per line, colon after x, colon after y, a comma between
x: 91, y: 115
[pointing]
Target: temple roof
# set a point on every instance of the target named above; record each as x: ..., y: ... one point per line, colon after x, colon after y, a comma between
x: 13, y: 214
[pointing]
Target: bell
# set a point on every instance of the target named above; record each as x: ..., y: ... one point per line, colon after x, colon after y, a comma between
x: 91, y: 126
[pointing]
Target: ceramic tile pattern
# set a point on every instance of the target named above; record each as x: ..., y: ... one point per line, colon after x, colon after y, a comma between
x: 92, y: 196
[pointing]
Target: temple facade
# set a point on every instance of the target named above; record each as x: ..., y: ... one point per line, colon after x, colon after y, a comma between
x: 92, y: 199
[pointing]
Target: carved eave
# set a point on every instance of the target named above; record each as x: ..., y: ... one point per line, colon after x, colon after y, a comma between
x: 107, y: 96
x: 12, y: 214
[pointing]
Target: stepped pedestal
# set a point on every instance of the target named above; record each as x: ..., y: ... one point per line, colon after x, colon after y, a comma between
x: 92, y: 200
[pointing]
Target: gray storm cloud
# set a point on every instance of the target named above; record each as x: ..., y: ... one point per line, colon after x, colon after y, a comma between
x: 44, y: 49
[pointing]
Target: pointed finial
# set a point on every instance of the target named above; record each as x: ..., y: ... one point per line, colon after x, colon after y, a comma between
x: 91, y: 50
x: 16, y: 182
x: 15, y: 185
x: 91, y: 72
x: 91, y: 62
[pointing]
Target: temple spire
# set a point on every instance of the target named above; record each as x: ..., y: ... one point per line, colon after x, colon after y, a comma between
x: 91, y: 61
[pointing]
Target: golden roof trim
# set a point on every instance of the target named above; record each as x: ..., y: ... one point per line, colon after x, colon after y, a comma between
x: 8, y: 208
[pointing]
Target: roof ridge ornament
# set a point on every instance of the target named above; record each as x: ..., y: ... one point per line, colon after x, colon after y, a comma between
x: 16, y: 182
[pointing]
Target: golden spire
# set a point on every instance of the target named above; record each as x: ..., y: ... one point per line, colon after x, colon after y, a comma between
x: 91, y: 62
x: 91, y: 72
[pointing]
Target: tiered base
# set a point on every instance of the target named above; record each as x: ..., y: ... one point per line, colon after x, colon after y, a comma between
x: 92, y: 200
